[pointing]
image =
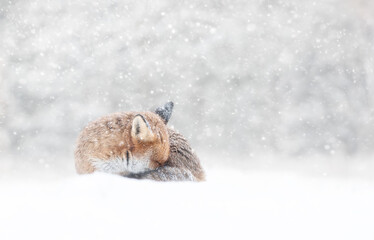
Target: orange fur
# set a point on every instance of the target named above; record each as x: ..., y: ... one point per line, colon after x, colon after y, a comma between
x: 112, y: 136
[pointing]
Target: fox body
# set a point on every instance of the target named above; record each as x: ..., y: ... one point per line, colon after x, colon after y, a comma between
x: 137, y: 145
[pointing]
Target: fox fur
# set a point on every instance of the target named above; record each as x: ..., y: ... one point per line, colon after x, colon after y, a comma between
x: 137, y: 145
x: 182, y: 164
x: 122, y: 143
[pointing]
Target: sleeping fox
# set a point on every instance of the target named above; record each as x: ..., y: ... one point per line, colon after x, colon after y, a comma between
x: 137, y: 145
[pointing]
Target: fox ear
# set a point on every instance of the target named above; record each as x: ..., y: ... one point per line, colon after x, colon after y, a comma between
x: 141, y: 130
x: 165, y: 111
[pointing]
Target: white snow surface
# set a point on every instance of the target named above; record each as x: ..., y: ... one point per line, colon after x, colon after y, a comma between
x: 231, y: 204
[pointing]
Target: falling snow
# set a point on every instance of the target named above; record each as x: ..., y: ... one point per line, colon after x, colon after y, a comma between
x: 269, y: 86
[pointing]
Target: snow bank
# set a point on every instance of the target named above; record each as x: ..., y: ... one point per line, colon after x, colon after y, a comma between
x: 230, y: 205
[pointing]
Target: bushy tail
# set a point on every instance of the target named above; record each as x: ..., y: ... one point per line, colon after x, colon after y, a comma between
x: 182, y: 165
x: 164, y: 174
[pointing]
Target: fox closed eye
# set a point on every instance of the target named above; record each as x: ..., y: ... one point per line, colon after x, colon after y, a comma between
x: 127, y: 157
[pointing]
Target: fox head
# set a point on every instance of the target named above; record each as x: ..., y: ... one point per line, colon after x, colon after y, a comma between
x: 130, y: 142
x: 150, y: 146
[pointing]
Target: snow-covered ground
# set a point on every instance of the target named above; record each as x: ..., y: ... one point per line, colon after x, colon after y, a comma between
x: 232, y: 204
x: 285, y: 78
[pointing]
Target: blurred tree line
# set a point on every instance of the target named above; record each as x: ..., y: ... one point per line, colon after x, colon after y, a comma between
x: 248, y: 77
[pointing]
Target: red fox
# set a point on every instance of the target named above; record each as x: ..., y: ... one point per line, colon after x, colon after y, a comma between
x: 137, y: 145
